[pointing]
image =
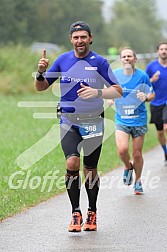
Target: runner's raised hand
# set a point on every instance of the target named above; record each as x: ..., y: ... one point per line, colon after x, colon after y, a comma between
x: 43, y: 62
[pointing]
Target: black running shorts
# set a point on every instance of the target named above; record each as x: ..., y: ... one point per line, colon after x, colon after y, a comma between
x: 72, y: 143
x: 158, y: 115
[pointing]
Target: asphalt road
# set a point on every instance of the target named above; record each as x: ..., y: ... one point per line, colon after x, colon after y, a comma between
x: 126, y: 222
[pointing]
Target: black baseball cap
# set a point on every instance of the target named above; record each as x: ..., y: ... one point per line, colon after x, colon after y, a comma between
x: 79, y: 26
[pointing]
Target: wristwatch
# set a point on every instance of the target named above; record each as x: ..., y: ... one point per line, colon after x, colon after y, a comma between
x: 99, y: 93
x: 40, y: 76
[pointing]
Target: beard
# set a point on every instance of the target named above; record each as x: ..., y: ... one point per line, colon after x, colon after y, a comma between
x: 81, y: 51
x: 163, y: 56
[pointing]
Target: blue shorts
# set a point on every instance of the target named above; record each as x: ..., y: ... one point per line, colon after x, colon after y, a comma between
x: 134, y: 131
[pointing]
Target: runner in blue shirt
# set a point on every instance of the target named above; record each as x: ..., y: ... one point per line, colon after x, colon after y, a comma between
x: 157, y: 71
x: 83, y: 75
x: 131, y: 116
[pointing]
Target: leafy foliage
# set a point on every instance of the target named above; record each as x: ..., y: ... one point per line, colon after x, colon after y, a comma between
x: 48, y: 21
x: 135, y: 24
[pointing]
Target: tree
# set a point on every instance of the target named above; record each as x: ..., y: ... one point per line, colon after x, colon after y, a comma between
x: 16, y: 19
x: 56, y: 16
x: 135, y: 23
x: 48, y: 21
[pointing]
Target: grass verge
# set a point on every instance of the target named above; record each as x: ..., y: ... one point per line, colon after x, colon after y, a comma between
x: 23, y: 186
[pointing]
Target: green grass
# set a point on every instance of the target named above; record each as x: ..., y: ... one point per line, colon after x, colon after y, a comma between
x: 19, y: 131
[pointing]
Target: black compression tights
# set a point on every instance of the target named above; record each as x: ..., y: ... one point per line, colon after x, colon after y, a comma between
x: 73, y: 184
x: 92, y: 189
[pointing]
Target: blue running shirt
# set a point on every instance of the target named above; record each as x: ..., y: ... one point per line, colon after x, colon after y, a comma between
x: 92, y: 70
x: 130, y: 110
x: 160, y: 86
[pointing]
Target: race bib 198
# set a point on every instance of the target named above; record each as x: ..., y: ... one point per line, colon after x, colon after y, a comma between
x: 128, y: 111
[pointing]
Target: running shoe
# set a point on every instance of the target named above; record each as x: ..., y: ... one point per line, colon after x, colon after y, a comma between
x: 76, y: 222
x: 128, y: 176
x: 138, y: 190
x: 90, y: 223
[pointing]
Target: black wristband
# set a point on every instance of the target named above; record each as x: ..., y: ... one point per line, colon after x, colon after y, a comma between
x: 40, y: 76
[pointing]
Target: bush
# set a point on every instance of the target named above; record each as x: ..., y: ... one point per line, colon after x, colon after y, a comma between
x: 17, y: 65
